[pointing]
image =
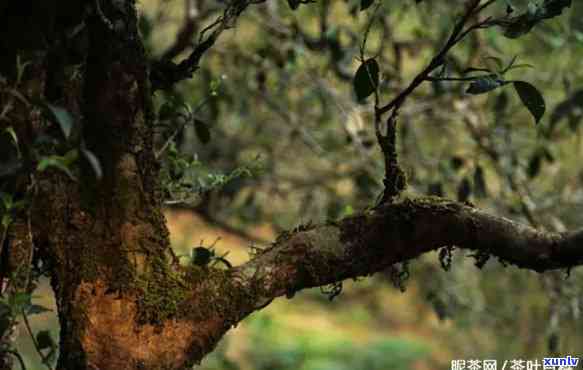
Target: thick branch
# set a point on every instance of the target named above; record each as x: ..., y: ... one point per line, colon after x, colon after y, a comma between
x: 368, y: 243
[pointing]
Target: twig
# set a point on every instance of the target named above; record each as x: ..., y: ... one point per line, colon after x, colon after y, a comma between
x: 18, y: 356
x: 2, y: 240
x: 102, y: 16
x: 165, y: 73
x: 44, y: 359
x: 456, y: 36
x: 460, y: 79
x: 184, y: 36
x: 394, y: 180
x: 180, y: 128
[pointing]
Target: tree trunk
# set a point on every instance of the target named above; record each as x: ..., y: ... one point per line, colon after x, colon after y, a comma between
x: 123, y: 300
x: 117, y: 287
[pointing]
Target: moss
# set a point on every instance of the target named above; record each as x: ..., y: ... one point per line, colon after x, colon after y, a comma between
x: 165, y: 293
x: 433, y: 202
x: 162, y: 293
x: 160, y: 289
x: 326, y: 239
x: 283, y: 236
x: 430, y: 199
x: 219, y: 295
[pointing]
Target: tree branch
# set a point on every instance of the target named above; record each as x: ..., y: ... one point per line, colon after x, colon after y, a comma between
x: 371, y: 242
x: 473, y: 8
x: 165, y: 73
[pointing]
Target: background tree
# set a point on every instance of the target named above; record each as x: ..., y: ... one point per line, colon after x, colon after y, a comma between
x: 88, y: 117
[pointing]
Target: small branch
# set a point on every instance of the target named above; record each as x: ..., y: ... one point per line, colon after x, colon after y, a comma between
x: 18, y: 356
x: 394, y: 181
x: 458, y: 79
x: 165, y: 73
x: 30, y: 332
x: 184, y: 37
x: 2, y: 241
x: 102, y: 16
x: 456, y: 36
x: 187, y: 120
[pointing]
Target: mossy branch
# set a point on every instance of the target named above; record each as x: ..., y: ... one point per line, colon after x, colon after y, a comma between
x: 397, y: 232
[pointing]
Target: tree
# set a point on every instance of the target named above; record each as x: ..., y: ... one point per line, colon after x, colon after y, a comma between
x: 82, y: 187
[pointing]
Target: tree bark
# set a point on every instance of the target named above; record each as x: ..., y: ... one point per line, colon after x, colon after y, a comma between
x: 123, y: 300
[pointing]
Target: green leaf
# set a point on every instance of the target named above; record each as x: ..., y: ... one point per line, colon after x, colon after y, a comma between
x: 517, y: 66
x: 70, y: 157
x: 6, y: 220
x: 36, y: 309
x: 456, y: 162
x: 20, y: 204
x: 484, y: 84
x: 293, y: 4
x: 93, y: 162
x: 44, y: 340
x: 20, y: 301
x: 201, y: 256
x: 347, y: 211
x: 202, y: 131
x: 536, y: 13
x: 531, y: 98
x: 146, y: 26
x: 63, y: 118
x: 7, y: 201
x: 365, y: 4
x: 59, y: 162
x: 366, y: 79
x: 10, y: 131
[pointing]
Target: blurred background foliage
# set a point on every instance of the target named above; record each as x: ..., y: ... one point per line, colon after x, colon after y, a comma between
x: 269, y: 135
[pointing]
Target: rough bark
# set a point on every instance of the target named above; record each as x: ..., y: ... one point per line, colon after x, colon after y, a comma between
x: 123, y: 302
x: 207, y: 302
